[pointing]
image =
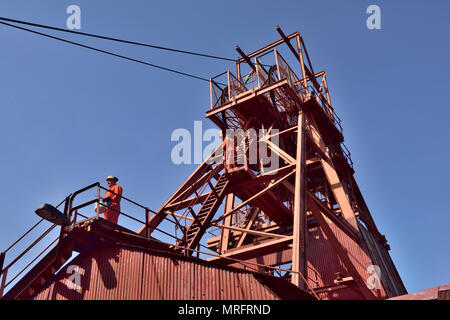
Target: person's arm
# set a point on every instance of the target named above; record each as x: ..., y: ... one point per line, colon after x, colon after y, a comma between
x: 107, y: 197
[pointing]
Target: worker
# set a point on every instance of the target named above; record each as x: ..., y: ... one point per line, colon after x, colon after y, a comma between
x: 112, y: 196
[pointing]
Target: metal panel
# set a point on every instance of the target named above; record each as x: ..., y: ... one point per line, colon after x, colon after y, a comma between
x: 427, y: 294
x: 119, y: 272
x: 271, y: 259
x: 323, y: 263
x: 390, y: 280
x: 444, y: 294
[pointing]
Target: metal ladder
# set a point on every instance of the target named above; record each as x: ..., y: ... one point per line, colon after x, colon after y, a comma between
x: 204, y: 216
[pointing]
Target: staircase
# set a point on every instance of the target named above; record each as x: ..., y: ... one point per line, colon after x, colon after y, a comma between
x: 41, y: 272
x: 204, y: 216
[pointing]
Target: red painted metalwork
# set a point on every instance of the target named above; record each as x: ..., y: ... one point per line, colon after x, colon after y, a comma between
x: 121, y: 272
x: 304, y: 221
x: 436, y: 293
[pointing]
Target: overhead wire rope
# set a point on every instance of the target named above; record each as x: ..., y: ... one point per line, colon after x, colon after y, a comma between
x: 118, y: 40
x: 107, y: 52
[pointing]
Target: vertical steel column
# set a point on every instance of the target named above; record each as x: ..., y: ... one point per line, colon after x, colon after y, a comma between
x: 75, y: 217
x: 147, y: 235
x: 238, y: 73
x: 229, y: 86
x: 98, y: 199
x: 66, y: 207
x: 302, y: 64
x: 225, y: 234
x: 3, y: 273
x: 326, y: 91
x: 299, y: 227
x: 2, y: 260
x: 2, y: 285
x: 211, y: 93
x: 275, y: 52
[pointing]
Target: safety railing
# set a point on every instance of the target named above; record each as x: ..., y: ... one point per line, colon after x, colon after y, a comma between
x: 147, y: 211
x: 268, y: 68
x: 217, y: 89
x: 72, y: 211
x: 221, y: 93
x: 347, y: 154
x: 184, y: 215
x: 225, y: 86
x: 342, y: 151
x: 4, y: 270
x: 285, y: 71
x: 323, y: 104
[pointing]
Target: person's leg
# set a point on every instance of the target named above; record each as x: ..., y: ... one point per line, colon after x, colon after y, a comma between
x: 107, y: 214
x: 112, y: 215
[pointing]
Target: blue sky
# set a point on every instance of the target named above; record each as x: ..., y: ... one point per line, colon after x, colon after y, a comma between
x: 70, y: 117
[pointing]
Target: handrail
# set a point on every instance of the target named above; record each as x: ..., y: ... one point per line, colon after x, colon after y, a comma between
x: 96, y: 184
x: 29, y: 247
x: 29, y: 264
x: 120, y: 212
x: 4, y: 270
x: 23, y: 236
x: 284, y: 71
x: 84, y: 189
x: 347, y: 154
x: 27, y: 232
x: 202, y: 187
x: 97, y: 200
x: 326, y: 108
x: 123, y: 197
x: 90, y: 202
x: 85, y: 204
x: 68, y: 210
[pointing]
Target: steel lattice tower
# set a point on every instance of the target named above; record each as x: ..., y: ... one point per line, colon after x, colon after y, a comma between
x: 307, y: 215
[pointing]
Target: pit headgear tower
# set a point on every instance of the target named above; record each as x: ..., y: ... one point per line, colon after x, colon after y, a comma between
x: 282, y: 193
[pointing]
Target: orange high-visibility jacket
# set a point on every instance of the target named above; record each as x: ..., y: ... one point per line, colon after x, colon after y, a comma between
x: 115, y: 197
x: 112, y: 215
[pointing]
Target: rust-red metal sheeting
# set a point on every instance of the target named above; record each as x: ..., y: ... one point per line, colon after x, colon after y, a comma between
x: 324, y: 263
x: 120, y: 272
x: 436, y: 293
x: 380, y: 256
x: 271, y: 259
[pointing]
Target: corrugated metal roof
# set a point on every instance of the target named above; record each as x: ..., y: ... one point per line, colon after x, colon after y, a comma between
x: 122, y: 272
x: 427, y: 294
x: 146, y: 269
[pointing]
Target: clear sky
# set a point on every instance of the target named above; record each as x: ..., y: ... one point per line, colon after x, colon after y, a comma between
x: 70, y: 117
